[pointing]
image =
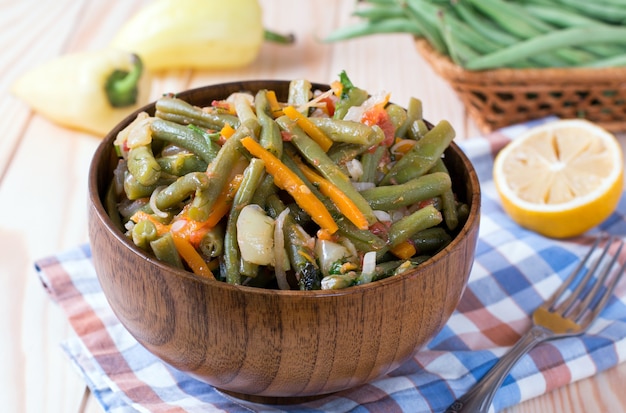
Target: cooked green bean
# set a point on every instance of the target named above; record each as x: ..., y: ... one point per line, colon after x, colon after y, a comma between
x: 136, y: 190
x: 316, y: 156
x: 431, y: 240
x: 408, y: 226
x: 143, y: 233
x: 391, y: 197
x: 422, y: 156
x: 252, y: 177
x: 165, y: 250
x: 212, y: 243
x: 179, y: 111
x: 350, y: 96
x: 181, y: 189
x: 181, y: 163
x: 143, y: 166
x: 371, y: 161
x: 299, y: 93
x: 269, y: 136
x: 225, y: 159
x: 448, y: 200
x: 339, y: 130
x: 184, y: 137
x: 413, y: 113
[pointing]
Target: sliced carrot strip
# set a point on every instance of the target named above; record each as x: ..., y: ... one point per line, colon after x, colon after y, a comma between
x: 309, y: 127
x: 227, y: 131
x: 404, y: 250
x: 286, y: 179
x: 346, y: 206
x: 275, y: 107
x: 194, y: 260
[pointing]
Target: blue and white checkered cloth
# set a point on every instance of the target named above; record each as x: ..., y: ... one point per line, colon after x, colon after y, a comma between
x: 515, y: 270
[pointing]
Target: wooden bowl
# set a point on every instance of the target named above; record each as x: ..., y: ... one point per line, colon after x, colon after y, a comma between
x: 271, y: 345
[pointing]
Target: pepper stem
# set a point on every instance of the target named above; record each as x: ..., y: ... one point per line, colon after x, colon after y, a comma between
x: 122, y: 85
x: 279, y: 38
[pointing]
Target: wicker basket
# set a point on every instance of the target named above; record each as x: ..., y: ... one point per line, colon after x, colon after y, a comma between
x: 501, y: 97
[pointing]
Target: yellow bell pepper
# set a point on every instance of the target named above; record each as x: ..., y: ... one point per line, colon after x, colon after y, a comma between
x: 87, y: 91
x: 196, y: 34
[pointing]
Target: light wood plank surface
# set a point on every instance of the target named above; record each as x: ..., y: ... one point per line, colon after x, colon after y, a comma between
x: 43, y: 167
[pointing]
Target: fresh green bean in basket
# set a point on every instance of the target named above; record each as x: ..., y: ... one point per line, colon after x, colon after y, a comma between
x: 265, y: 204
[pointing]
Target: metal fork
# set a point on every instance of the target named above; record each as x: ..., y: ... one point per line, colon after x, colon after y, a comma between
x: 563, y: 315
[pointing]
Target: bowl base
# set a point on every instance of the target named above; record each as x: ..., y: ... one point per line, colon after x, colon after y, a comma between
x: 276, y: 400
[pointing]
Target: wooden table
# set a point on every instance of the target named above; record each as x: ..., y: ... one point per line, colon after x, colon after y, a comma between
x: 43, y: 168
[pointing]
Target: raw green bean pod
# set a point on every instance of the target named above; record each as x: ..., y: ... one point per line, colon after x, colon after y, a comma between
x: 389, y: 197
x: 178, y: 111
x: 184, y: 137
x: 422, y: 156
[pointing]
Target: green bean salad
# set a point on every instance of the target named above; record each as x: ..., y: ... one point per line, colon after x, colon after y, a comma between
x: 324, y: 189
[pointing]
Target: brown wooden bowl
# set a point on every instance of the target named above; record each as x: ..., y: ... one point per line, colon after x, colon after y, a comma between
x: 268, y: 345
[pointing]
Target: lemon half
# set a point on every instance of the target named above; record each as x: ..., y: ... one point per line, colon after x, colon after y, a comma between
x: 560, y: 179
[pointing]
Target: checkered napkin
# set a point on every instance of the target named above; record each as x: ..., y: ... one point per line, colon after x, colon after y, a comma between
x: 515, y: 271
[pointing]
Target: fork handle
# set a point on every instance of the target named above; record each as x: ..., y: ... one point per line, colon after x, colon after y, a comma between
x: 479, y: 398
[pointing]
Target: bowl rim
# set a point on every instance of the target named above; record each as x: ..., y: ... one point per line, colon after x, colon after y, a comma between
x: 95, y: 202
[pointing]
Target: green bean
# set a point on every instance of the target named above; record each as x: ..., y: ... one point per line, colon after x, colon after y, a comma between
x: 212, y: 243
x: 351, y: 95
x: 425, y: 16
x: 406, y: 227
x: 269, y: 136
x: 184, y: 137
x: 339, y: 130
x: 181, y: 163
x: 547, y: 42
x: 316, y: 156
x: 413, y: 114
x: 371, y: 162
x: 265, y: 189
x: 143, y: 233
x: 391, y: 197
x: 246, y: 115
x: 397, y: 114
x: 422, y: 156
x: 299, y: 93
x: 143, y: 165
x: 227, y: 156
x: 299, y: 250
x: 417, y: 130
x: 341, y: 153
x: 252, y: 176
x: 340, y: 281
x: 381, y: 13
x: 165, y: 250
x: 448, y: 200
x: 136, y: 190
x: 431, y: 240
x: 181, y: 112
x: 371, y: 27
x: 181, y: 189
x: 614, y: 13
